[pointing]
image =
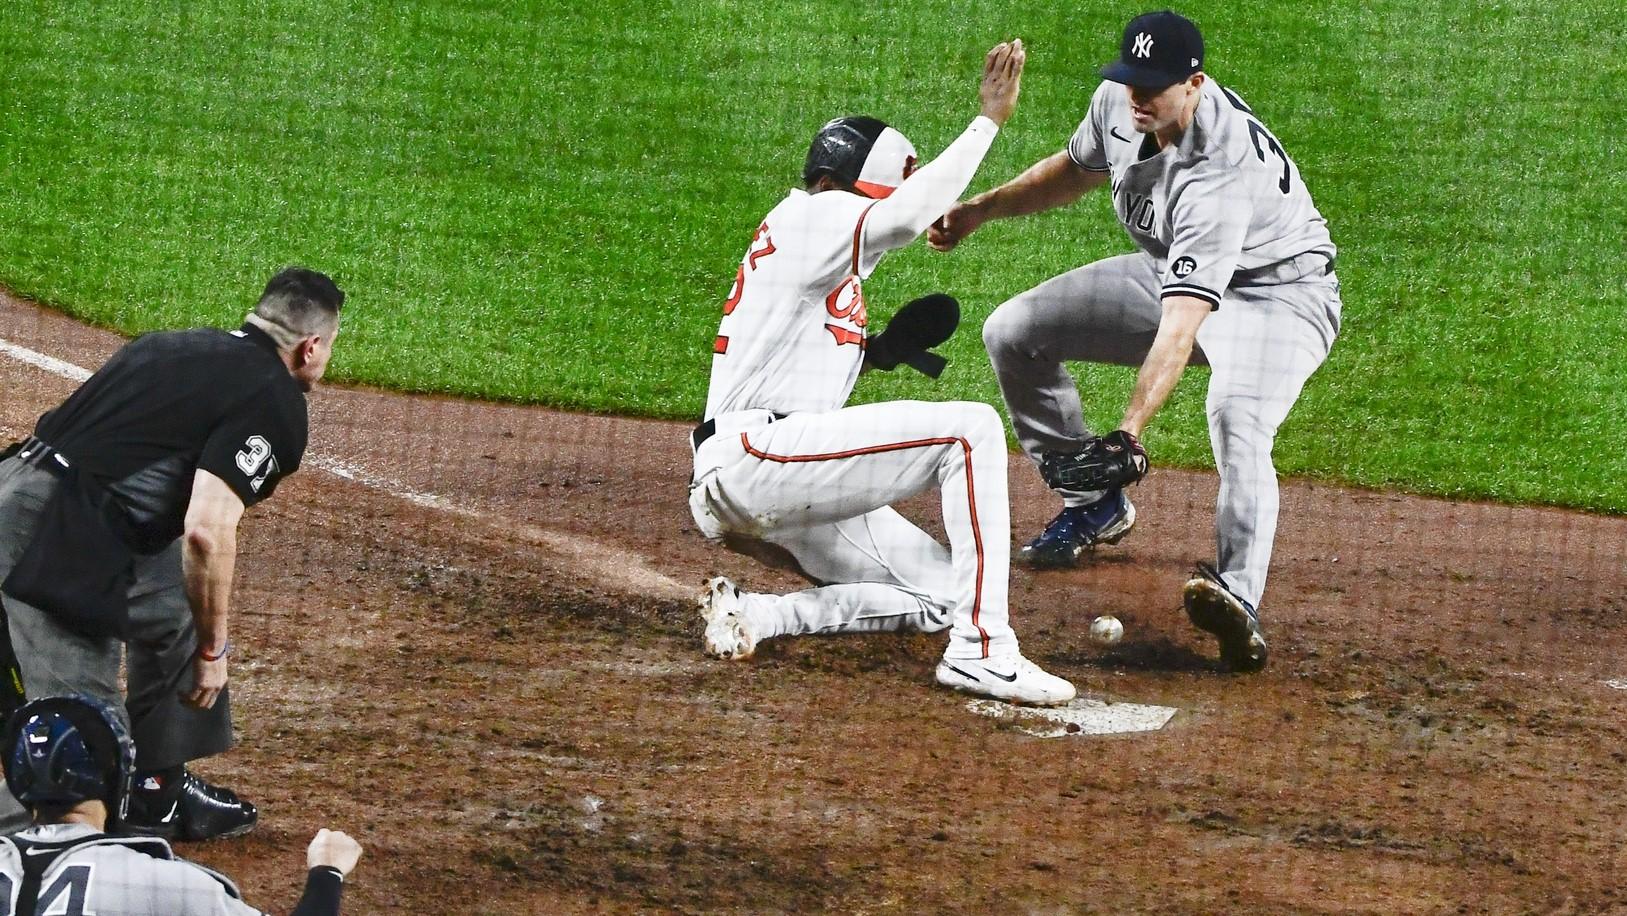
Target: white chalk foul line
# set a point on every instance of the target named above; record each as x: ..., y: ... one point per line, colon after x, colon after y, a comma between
x: 48, y: 363
x: 601, y: 560
x: 1082, y: 716
x: 366, y: 478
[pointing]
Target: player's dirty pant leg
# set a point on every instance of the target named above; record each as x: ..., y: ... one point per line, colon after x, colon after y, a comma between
x: 1246, y: 506
x: 891, y: 576
x: 1263, y: 346
x: 820, y: 469
x: 1105, y: 312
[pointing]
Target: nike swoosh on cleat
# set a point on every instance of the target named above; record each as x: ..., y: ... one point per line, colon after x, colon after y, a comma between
x: 1008, y: 678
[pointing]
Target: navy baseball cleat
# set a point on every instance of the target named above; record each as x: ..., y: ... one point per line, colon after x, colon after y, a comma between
x: 187, y: 808
x: 1077, y: 528
x: 1215, y: 609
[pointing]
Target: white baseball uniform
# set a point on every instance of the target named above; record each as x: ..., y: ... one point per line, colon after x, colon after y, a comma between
x: 789, y: 465
x: 1221, y: 215
x: 117, y: 876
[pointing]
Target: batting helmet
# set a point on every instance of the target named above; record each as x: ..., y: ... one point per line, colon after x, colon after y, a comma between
x: 69, y: 749
x: 860, y: 153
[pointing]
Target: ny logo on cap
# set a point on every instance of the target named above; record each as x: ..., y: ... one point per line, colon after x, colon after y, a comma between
x: 1143, y: 45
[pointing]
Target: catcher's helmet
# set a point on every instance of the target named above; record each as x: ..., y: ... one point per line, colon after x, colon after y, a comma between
x: 65, y: 750
x: 860, y: 153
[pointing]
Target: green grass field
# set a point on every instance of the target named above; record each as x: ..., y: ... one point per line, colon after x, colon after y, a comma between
x: 545, y: 201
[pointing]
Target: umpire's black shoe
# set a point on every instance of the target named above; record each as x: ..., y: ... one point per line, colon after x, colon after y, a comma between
x: 187, y: 809
x: 1215, y: 609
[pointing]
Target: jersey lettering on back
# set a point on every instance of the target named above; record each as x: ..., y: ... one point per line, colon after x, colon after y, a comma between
x: 92, y: 873
x: 793, y: 331
x: 66, y: 895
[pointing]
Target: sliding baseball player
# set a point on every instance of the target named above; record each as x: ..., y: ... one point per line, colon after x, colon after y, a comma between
x: 786, y: 473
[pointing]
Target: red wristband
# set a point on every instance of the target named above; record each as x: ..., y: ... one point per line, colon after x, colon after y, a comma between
x: 225, y: 651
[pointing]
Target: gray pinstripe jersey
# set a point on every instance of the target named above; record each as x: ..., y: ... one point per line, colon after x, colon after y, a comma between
x: 1220, y: 207
x: 109, y: 877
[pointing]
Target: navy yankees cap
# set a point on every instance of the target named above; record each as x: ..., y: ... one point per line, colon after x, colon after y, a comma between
x: 1159, y: 49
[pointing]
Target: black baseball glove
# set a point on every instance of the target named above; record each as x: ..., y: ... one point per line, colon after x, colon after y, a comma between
x: 918, y: 327
x: 1106, y: 462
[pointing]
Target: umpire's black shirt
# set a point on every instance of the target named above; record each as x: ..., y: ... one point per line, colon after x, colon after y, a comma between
x: 170, y: 403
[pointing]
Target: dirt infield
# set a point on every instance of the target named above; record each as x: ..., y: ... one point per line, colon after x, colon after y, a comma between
x: 478, y: 654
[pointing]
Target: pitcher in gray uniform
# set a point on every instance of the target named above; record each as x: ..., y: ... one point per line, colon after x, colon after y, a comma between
x: 1235, y: 272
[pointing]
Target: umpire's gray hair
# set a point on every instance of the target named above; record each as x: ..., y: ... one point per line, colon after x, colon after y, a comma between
x: 298, y: 303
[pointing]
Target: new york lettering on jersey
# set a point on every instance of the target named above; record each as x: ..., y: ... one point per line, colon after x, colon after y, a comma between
x: 1226, y: 199
x: 793, y: 328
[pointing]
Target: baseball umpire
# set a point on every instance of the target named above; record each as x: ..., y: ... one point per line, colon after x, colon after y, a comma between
x: 1235, y: 271
x: 118, y: 526
x: 70, y: 760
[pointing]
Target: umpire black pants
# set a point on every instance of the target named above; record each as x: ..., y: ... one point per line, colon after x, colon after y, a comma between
x: 161, y: 645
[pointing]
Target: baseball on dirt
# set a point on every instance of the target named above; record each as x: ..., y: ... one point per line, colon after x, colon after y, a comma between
x: 1106, y: 630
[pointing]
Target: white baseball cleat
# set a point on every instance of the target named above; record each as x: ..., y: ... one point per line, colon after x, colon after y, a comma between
x: 727, y: 634
x: 1005, y: 677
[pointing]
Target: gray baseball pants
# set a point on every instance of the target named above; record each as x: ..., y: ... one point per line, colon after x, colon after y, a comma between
x: 162, y: 642
x: 1264, y: 341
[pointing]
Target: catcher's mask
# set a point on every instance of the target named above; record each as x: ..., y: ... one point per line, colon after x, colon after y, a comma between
x: 860, y: 153
x: 69, y: 749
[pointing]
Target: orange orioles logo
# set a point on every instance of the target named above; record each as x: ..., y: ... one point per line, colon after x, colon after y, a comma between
x: 846, y: 303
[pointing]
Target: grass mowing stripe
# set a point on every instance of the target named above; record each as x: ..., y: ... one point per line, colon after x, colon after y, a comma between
x: 545, y: 201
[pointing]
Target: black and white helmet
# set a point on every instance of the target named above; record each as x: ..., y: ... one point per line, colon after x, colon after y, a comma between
x: 860, y: 153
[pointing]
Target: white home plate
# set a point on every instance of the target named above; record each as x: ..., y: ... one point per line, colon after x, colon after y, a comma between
x: 1619, y: 684
x: 1081, y: 717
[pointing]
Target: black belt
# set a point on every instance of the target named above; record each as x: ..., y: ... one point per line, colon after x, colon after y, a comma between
x: 701, y: 433
x: 708, y: 429
x: 40, y: 455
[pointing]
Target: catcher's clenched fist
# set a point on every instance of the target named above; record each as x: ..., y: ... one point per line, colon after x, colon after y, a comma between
x: 1106, y: 462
